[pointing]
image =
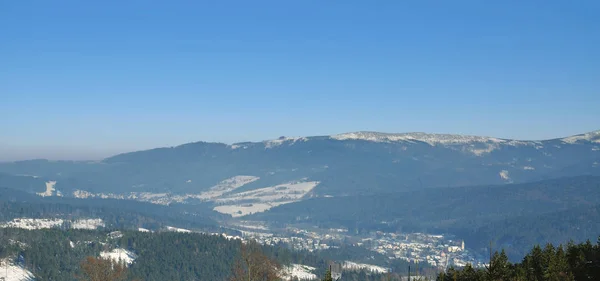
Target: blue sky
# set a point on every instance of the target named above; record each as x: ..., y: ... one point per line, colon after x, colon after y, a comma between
x: 86, y: 79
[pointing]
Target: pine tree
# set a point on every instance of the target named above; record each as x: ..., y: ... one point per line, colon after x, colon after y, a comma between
x: 328, y: 275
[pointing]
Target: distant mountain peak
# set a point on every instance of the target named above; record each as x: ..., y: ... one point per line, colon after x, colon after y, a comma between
x: 431, y: 139
x: 591, y: 137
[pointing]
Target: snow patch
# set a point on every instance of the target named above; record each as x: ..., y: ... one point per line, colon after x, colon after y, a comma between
x: 143, y: 230
x: 26, y: 223
x: 348, y: 265
x: 282, y: 140
x: 262, y: 199
x: 119, y: 255
x: 300, y: 271
x: 218, y: 190
x: 504, y: 175
x: 12, y: 272
x: 87, y: 224
x: 226, y: 186
x: 49, y: 189
x: 240, y: 210
x: 431, y: 139
x: 175, y: 229
x: 528, y: 168
x: 591, y: 137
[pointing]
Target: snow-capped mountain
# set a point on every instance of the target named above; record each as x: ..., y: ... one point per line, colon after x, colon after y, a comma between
x: 432, y: 139
x: 344, y: 164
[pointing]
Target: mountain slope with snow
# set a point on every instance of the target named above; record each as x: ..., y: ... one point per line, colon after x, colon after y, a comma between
x: 344, y: 164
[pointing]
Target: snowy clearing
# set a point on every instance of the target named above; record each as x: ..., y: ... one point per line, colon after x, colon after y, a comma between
x: 300, y: 271
x: 263, y: 199
x: 176, y: 229
x: 226, y: 186
x: 11, y: 272
x: 26, y: 223
x: 49, y: 189
x: 504, y: 175
x: 240, y: 210
x: 119, y: 255
x: 282, y: 192
x: 363, y: 266
x: 87, y: 224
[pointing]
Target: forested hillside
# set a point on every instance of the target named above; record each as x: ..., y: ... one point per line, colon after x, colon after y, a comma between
x: 570, y: 262
x: 559, y: 209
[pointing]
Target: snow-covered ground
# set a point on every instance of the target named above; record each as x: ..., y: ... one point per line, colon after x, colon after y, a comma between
x: 12, y: 272
x: 348, y: 265
x: 282, y: 192
x: 302, y: 272
x: 240, y: 210
x: 226, y: 186
x: 504, y: 175
x: 87, y: 224
x: 49, y: 189
x: 143, y: 230
x: 27, y: 223
x: 176, y: 229
x: 120, y: 255
x: 262, y: 199
x: 223, y: 187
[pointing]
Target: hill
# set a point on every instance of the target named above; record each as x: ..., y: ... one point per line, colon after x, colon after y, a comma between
x: 362, y: 163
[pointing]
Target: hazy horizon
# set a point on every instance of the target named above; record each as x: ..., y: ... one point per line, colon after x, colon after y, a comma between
x: 81, y: 153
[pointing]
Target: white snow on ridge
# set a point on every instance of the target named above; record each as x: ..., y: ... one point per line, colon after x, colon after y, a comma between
x: 591, y: 136
x: 300, y: 271
x: 363, y: 266
x: 120, y: 256
x: 11, y: 272
x: 431, y: 139
x: 280, y: 141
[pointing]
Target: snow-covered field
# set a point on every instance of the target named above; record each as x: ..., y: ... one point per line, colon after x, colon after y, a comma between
x: 12, y: 272
x: 348, y: 265
x: 176, y: 229
x: 49, y: 189
x: 226, y: 186
x: 302, y: 272
x: 239, y: 210
x: 27, y: 223
x: 282, y: 192
x: 87, y: 224
x: 262, y: 199
x: 218, y: 190
x: 119, y: 255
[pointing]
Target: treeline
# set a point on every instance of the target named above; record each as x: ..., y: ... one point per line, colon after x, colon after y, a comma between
x: 571, y: 262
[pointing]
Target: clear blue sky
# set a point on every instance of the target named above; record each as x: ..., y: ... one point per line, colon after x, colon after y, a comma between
x: 86, y: 79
